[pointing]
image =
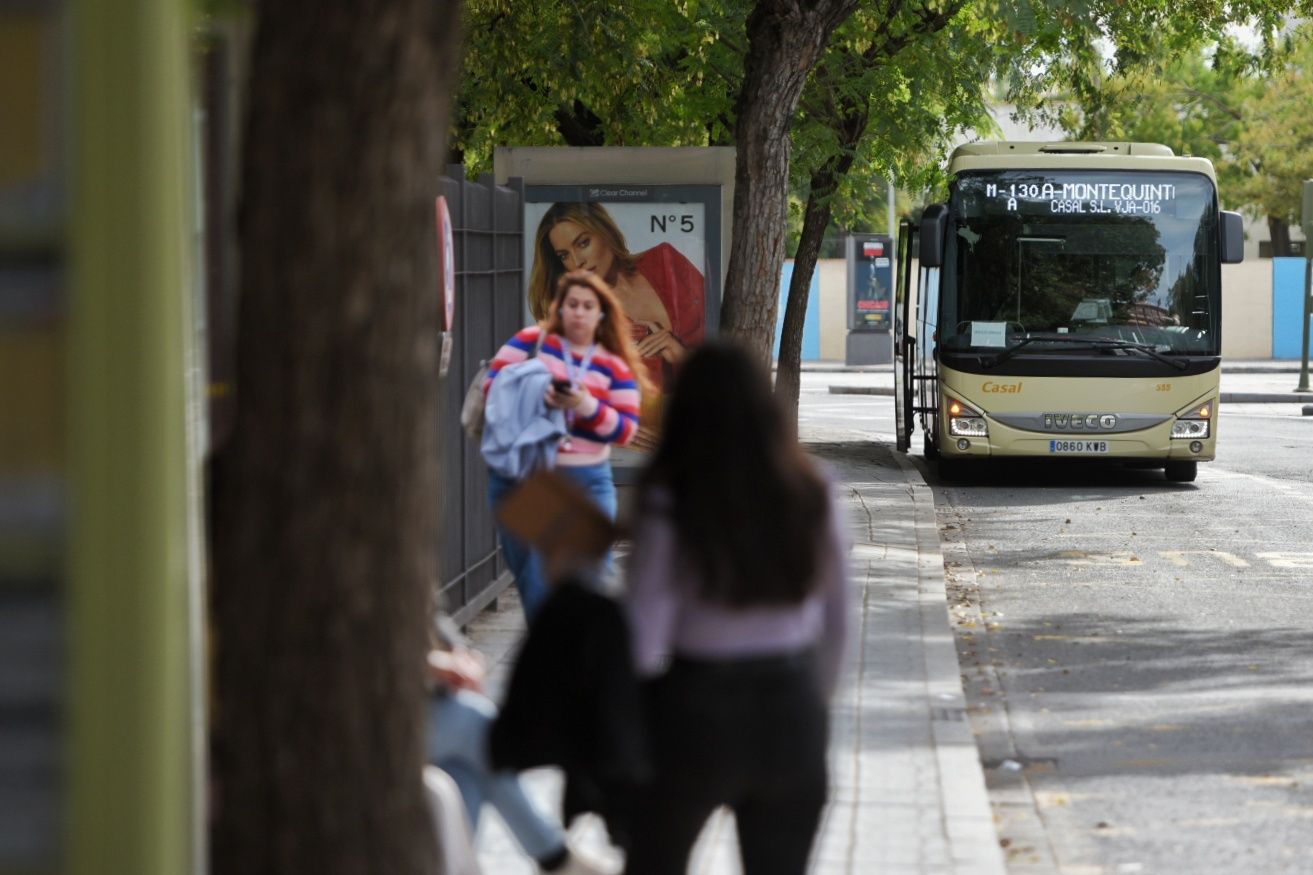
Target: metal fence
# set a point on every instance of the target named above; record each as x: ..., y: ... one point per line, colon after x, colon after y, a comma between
x: 488, y: 230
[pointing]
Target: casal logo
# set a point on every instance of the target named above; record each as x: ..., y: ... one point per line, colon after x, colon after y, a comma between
x: 1004, y: 388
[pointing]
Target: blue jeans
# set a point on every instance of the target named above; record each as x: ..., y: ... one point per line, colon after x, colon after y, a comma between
x: 526, y: 563
x: 458, y: 744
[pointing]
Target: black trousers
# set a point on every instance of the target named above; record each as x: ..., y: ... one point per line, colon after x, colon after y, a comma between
x: 750, y: 734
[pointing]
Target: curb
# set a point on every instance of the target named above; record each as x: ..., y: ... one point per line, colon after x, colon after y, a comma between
x: 1265, y: 397
x: 1225, y: 397
x: 862, y: 390
x: 968, y: 817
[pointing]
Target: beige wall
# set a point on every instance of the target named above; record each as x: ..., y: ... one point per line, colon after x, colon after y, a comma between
x: 1247, y: 309
x: 834, y: 308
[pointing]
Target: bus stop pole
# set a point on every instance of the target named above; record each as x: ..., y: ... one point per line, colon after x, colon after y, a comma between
x: 1307, y: 223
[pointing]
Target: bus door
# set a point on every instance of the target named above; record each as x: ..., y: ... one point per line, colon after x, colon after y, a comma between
x: 904, y: 339
x: 916, y: 308
x: 925, y: 368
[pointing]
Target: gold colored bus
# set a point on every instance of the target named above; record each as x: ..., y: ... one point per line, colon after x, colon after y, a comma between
x: 1065, y: 303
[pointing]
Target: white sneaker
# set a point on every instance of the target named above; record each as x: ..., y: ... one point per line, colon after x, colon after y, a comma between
x: 582, y: 861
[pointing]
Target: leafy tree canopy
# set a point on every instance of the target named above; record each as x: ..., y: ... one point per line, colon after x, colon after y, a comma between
x: 1274, y: 149
x: 656, y: 72
x: 589, y: 72
x: 1247, y: 111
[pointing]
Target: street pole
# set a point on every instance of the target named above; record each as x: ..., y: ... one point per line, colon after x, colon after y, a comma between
x: 1307, y: 223
x: 890, y: 209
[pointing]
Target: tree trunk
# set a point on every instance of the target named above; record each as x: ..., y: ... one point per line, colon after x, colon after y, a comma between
x: 851, y: 115
x: 325, y: 535
x: 785, y: 40
x: 1279, y: 232
x: 788, y: 377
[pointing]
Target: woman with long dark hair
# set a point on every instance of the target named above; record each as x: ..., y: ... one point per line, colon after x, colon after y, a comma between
x: 738, y: 587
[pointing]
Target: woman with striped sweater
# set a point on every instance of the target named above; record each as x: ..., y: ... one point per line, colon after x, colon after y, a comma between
x: 596, y: 382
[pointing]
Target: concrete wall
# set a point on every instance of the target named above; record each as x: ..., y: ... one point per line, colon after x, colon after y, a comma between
x: 811, y: 329
x: 1287, y: 308
x: 829, y: 299
x: 833, y: 274
x: 1247, y: 309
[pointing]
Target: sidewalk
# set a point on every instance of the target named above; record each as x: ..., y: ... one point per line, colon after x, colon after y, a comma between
x: 908, y: 793
x: 1243, y: 382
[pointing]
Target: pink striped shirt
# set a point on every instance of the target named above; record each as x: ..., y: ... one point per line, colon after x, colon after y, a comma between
x: 608, y: 379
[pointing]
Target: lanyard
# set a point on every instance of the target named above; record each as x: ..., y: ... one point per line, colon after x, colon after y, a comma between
x: 576, y: 374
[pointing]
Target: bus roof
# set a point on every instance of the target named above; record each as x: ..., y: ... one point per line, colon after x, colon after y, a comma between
x: 1052, y: 147
x: 1051, y: 154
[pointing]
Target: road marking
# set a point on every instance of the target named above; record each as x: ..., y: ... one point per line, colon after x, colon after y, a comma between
x: 1267, y: 780
x: 1279, y: 559
x: 1078, y: 557
x: 1288, y: 560
x: 1177, y: 557
x: 1299, y: 491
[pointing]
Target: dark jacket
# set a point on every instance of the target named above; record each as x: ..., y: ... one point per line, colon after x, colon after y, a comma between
x: 574, y: 702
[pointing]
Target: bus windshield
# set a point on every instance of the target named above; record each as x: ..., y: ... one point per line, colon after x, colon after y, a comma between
x: 1065, y: 255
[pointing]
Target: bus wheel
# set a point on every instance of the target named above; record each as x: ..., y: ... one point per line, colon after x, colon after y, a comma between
x: 1181, y: 472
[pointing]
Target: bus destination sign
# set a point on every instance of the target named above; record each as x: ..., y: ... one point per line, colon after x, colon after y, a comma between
x: 1123, y: 198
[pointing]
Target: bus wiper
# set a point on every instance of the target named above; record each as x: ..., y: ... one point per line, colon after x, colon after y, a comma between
x: 1012, y: 350
x: 1146, y: 348
x: 1082, y: 340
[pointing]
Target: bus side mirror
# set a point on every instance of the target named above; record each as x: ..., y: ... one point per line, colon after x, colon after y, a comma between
x: 934, y: 224
x: 1233, y: 238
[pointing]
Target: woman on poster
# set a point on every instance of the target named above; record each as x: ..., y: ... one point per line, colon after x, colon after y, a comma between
x: 663, y: 293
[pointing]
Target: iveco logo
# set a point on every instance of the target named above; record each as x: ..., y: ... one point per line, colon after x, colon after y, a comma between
x: 1080, y: 421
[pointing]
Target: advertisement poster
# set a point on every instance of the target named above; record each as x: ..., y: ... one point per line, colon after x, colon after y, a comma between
x: 652, y: 251
x: 871, y: 275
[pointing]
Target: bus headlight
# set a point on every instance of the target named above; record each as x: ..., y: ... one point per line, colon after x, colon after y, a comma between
x: 964, y: 420
x: 967, y: 426
x: 1189, y: 429
x: 1193, y: 423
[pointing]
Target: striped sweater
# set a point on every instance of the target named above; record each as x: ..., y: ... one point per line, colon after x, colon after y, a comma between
x: 608, y: 379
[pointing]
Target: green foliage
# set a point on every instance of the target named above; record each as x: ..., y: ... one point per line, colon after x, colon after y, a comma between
x: 1274, y: 149
x: 1193, y: 103
x: 888, y: 63
x: 647, y: 72
x: 1076, y: 46
x: 1248, y: 113
x: 667, y: 72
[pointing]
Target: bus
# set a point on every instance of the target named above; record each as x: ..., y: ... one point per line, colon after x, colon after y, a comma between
x: 1065, y: 303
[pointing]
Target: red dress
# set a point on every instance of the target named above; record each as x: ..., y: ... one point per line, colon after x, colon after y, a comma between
x: 682, y: 291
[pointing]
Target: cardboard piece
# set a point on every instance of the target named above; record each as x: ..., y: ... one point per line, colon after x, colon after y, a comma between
x: 554, y: 515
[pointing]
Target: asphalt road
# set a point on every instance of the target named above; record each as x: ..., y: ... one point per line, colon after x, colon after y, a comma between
x: 1137, y: 654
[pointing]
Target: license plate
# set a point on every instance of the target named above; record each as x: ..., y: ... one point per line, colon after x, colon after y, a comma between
x: 1078, y: 446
